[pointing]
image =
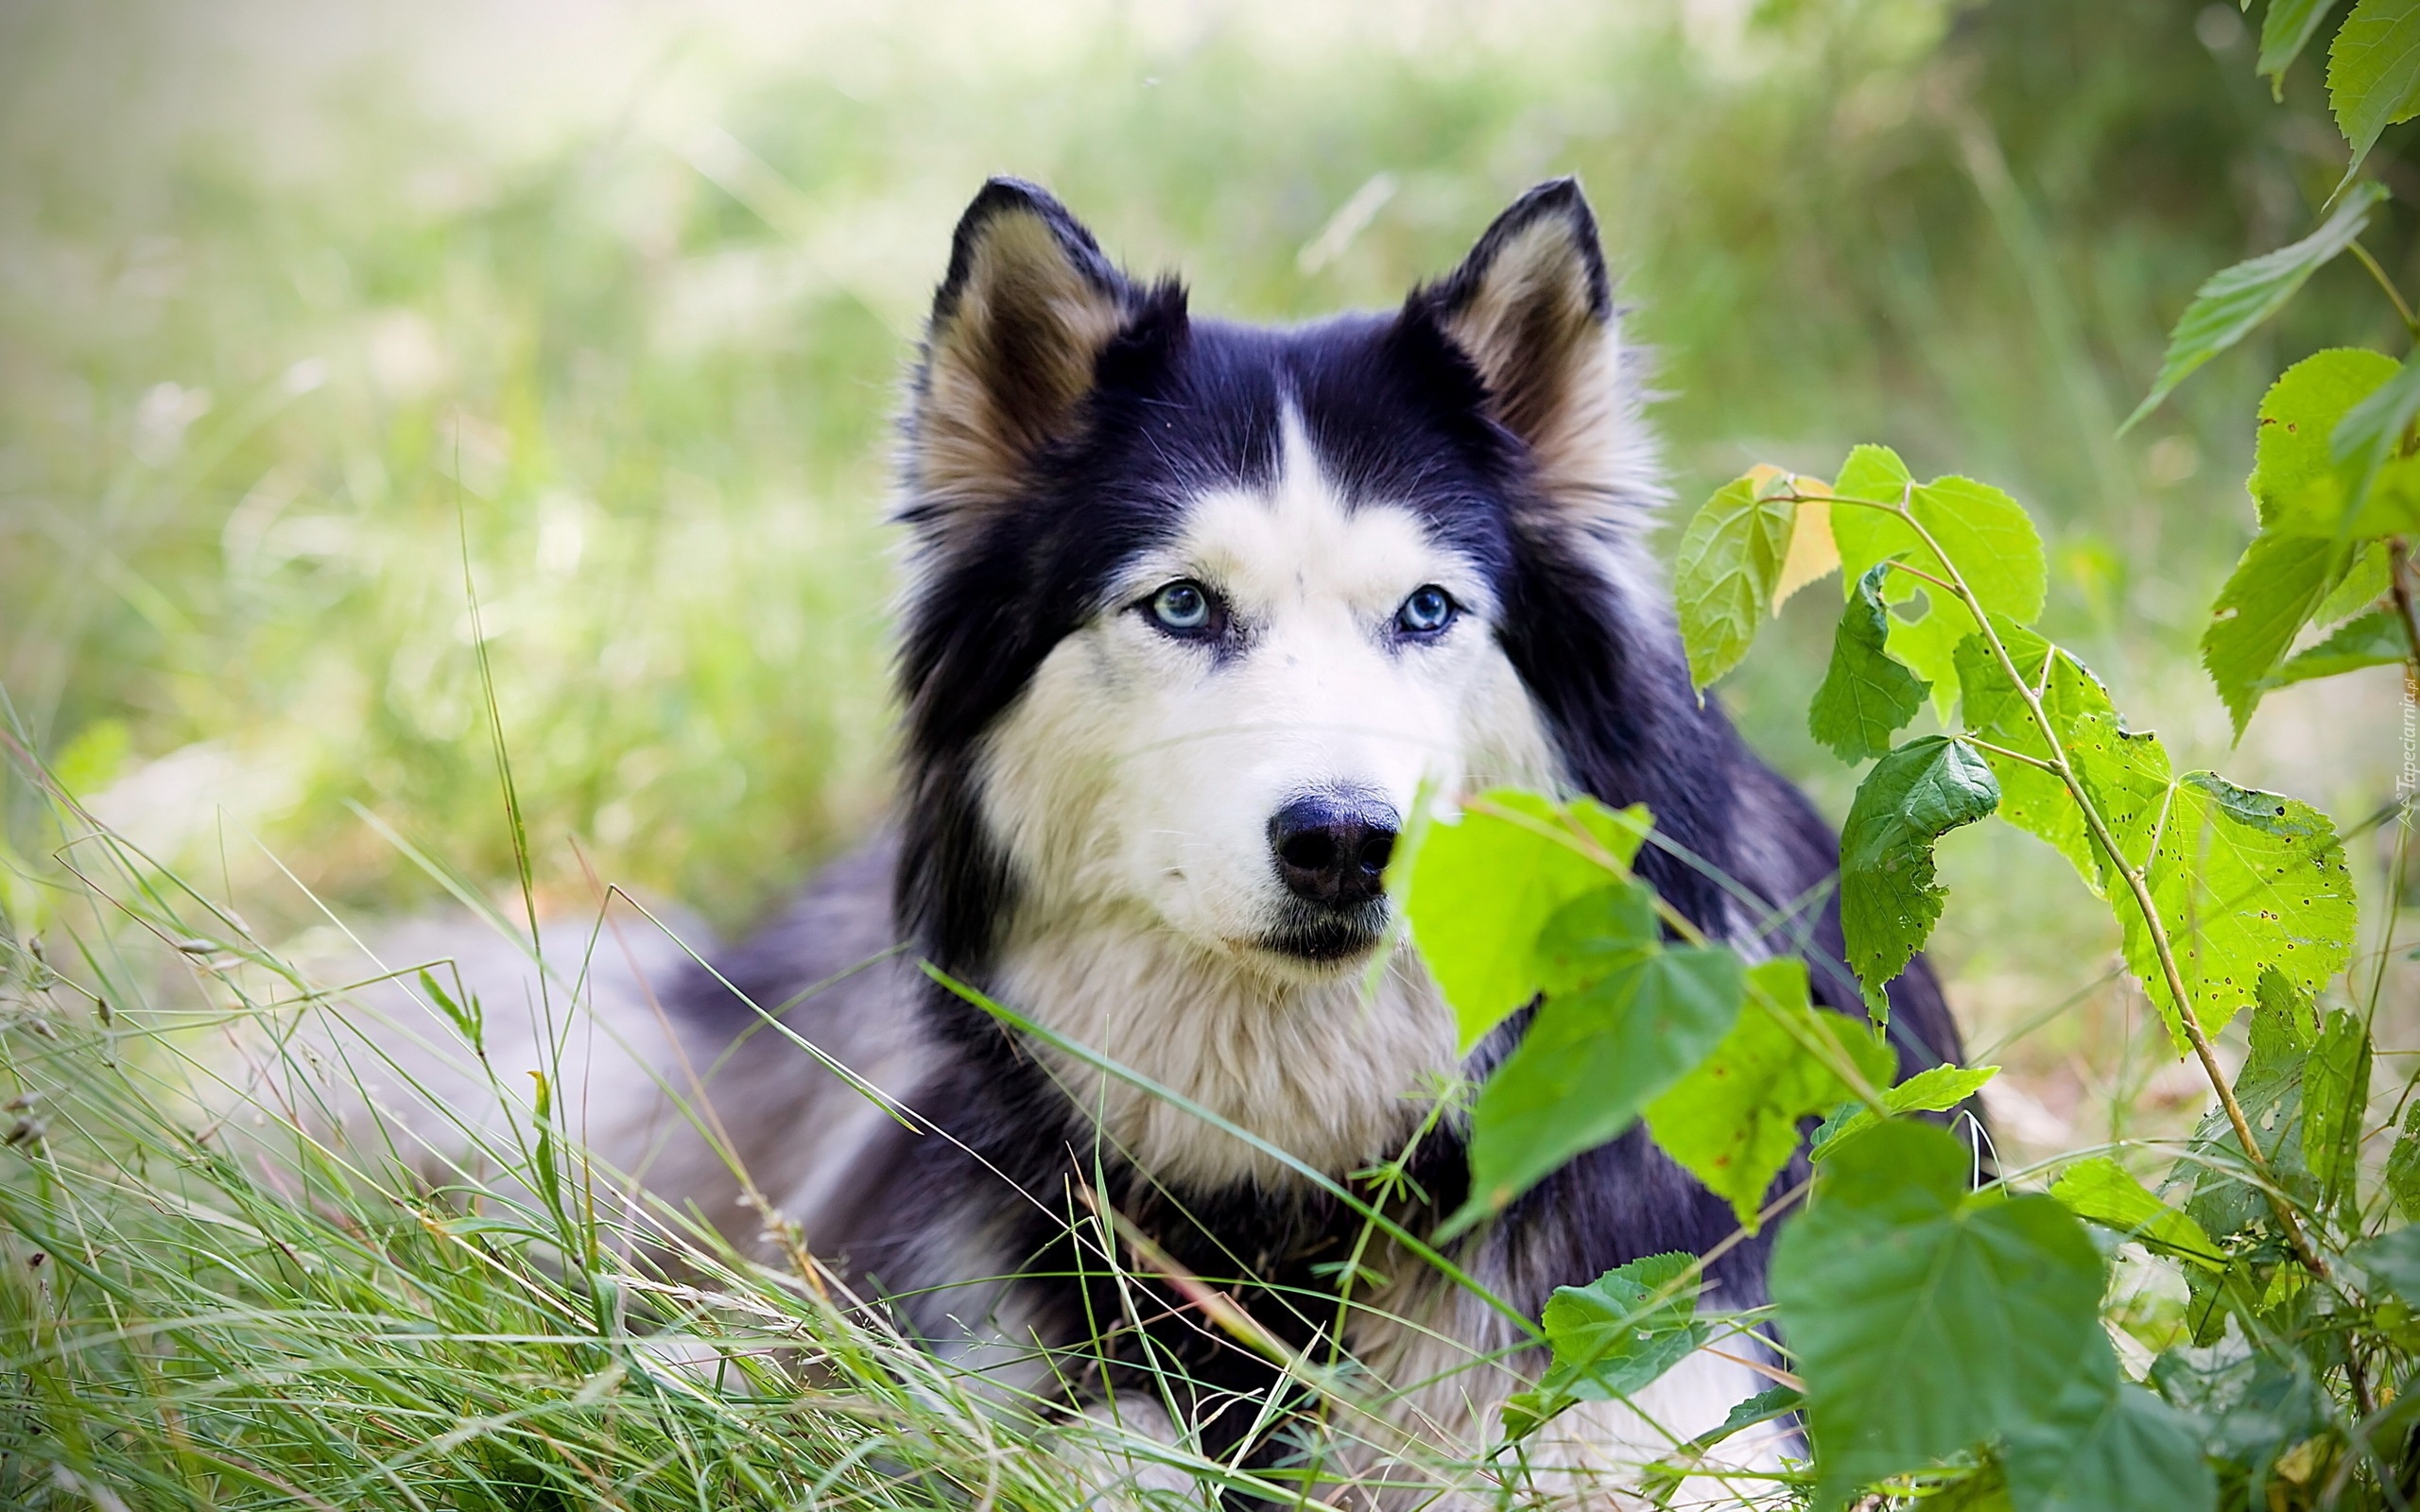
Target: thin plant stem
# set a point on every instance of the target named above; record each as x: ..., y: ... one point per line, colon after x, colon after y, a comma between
x: 2410, y: 322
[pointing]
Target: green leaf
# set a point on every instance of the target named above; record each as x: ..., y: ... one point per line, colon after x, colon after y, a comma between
x: 1867, y: 697
x: 2233, y: 301
x: 2365, y: 445
x: 1987, y: 534
x: 2034, y: 800
x: 2242, y: 880
x: 1733, y: 1121
x: 2293, y: 470
x: 1594, y: 1056
x: 2374, y: 73
x: 1729, y: 563
x: 2268, y: 1089
x: 2111, y: 1447
x: 1484, y: 887
x: 2402, y: 1164
x: 2391, y: 1263
x: 1888, y: 902
x: 2101, y: 1191
x: 2271, y: 594
x: 2375, y: 639
x: 1928, y: 1321
x: 2283, y: 32
x: 2336, y: 1099
x: 1935, y: 1089
x: 2363, y: 584
x: 1613, y: 1338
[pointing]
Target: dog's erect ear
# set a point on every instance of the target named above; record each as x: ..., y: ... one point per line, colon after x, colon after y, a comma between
x: 1019, y: 328
x: 1531, y: 308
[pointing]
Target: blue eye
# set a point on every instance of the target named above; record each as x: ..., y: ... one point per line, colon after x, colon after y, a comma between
x: 1428, y: 611
x: 1184, y: 608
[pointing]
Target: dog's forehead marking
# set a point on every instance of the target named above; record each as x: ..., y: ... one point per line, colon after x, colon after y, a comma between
x: 1297, y: 538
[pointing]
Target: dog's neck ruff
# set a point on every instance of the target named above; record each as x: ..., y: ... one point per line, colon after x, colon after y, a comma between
x: 1337, y: 1072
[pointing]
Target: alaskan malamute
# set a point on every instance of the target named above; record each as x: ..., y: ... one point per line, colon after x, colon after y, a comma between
x: 1193, y: 609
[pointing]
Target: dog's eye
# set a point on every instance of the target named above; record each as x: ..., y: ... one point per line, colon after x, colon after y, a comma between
x: 1185, y: 608
x: 1426, y: 611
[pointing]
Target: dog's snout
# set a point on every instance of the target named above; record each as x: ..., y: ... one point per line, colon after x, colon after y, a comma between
x: 1331, y: 849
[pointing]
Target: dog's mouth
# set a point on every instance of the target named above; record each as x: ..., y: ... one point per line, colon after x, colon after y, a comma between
x: 1325, y: 938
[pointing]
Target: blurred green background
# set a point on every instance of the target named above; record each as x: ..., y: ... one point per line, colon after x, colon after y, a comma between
x: 318, y: 321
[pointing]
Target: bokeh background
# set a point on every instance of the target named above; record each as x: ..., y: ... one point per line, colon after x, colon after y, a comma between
x: 322, y: 325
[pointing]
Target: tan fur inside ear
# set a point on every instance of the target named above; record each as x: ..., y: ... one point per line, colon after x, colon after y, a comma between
x: 1559, y: 377
x: 1528, y: 326
x: 1011, y: 363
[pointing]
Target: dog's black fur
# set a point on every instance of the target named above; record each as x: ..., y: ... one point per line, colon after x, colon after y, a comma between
x: 1402, y: 413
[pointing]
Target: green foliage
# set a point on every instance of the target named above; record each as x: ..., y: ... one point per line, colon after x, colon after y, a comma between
x: 1867, y: 697
x: 1889, y: 900
x: 2286, y: 28
x: 1928, y: 1321
x: 1624, y: 1019
x: 2101, y: 1191
x: 1729, y: 564
x: 1613, y: 1337
x: 1483, y: 886
x: 2374, y: 72
x: 1934, y: 1090
x: 2336, y: 1099
x: 2377, y: 639
x: 1733, y: 1121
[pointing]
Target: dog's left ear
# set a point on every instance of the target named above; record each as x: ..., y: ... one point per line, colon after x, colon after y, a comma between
x: 1531, y: 308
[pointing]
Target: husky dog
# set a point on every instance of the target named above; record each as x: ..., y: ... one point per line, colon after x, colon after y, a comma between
x: 1193, y: 609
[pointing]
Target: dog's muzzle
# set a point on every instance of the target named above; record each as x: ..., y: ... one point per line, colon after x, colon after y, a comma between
x: 1330, y: 849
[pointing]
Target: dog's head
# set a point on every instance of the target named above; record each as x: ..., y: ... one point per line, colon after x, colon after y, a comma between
x: 1195, y: 609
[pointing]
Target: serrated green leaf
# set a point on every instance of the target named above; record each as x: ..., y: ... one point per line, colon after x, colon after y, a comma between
x: 2373, y: 640
x: 2233, y: 301
x: 2376, y: 482
x: 2374, y: 72
x: 2271, y: 595
x: 1888, y: 902
x: 1733, y: 1121
x: 2283, y: 32
x: 1724, y: 577
x: 2101, y: 1191
x: 2243, y: 881
x: 1926, y: 1321
x: 1987, y: 534
x: 1934, y: 1090
x: 2268, y: 1089
x: 2335, y: 1100
x: 1483, y: 886
x: 2109, y: 1447
x: 1867, y: 697
x: 2299, y: 413
x: 2363, y: 584
x: 1612, y: 1338
x: 1594, y: 1056
x: 2034, y: 800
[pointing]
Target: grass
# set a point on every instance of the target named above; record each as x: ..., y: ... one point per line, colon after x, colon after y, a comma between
x: 311, y: 335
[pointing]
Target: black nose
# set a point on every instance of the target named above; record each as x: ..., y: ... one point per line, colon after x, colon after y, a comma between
x: 1332, y: 848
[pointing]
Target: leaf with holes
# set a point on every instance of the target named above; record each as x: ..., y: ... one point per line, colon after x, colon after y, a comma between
x: 2269, y: 1090
x: 1733, y: 1121
x: 1889, y: 900
x: 2232, y: 302
x: 1925, y: 1320
x: 2242, y: 881
x: 2293, y: 469
x: 1866, y: 697
x: 2374, y: 75
x: 1729, y: 564
x: 1483, y: 886
x: 1613, y: 1337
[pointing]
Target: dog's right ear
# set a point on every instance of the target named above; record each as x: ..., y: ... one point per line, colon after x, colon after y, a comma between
x: 1015, y: 345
